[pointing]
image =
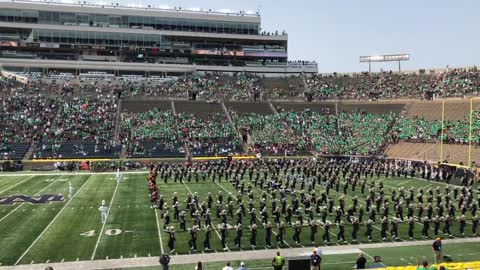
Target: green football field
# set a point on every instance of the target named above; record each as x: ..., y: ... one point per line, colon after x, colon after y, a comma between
x: 71, y: 229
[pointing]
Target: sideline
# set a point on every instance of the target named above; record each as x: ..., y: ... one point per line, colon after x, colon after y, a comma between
x: 220, y: 257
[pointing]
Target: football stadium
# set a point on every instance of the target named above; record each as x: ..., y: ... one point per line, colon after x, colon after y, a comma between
x: 152, y: 137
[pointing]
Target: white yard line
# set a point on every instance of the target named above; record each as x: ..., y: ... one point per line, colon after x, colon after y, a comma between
x: 38, y: 193
x: 51, y: 222
x: 106, y: 219
x: 71, y: 173
x: 403, y: 183
x: 159, y: 232
x: 28, y: 178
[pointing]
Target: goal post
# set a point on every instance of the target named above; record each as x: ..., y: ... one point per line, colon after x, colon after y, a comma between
x: 459, y: 154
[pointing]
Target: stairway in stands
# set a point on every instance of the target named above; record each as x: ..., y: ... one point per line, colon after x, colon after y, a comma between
x: 229, y: 118
x: 117, y: 121
x: 29, y: 153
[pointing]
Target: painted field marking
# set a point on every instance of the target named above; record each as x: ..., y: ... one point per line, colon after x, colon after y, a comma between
x: 17, y: 184
x: 103, y: 225
x: 72, y: 173
x: 159, y: 232
x: 53, y: 220
x: 20, y: 205
x: 403, y: 183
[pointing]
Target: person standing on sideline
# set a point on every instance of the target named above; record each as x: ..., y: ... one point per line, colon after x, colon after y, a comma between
x: 71, y: 190
x: 242, y: 266
x: 437, y: 250
x: 318, y: 250
x: 361, y: 261
x: 278, y: 262
x: 164, y: 261
x: 118, y: 176
x: 103, y: 211
x: 227, y: 267
x: 315, y: 261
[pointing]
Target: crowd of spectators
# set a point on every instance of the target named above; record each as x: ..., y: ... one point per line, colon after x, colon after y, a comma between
x: 248, y: 86
x: 460, y: 82
x: 212, y: 86
x: 52, y: 115
x: 25, y: 117
x: 385, y: 85
x: 417, y: 129
x: 210, y: 135
x: 288, y: 133
x: 154, y: 131
x: 81, y: 127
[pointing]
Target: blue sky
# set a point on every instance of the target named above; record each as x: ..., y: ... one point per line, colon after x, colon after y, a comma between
x: 335, y: 33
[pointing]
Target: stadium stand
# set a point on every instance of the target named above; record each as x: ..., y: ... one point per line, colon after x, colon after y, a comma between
x: 294, y: 127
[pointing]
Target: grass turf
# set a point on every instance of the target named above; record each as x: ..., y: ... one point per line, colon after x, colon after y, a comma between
x: 72, y: 230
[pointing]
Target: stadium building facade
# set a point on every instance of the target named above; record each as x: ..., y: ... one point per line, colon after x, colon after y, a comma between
x: 81, y: 37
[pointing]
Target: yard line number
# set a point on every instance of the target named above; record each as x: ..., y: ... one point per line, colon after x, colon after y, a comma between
x: 111, y: 232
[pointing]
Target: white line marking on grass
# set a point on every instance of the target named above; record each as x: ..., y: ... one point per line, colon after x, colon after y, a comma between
x: 103, y: 225
x: 63, y: 260
x: 159, y: 232
x: 32, y: 262
x: 72, y: 173
x: 16, y: 184
x: 47, y: 261
x: 53, y: 220
x: 38, y: 193
x: 334, y: 263
x: 77, y: 259
x: 403, y: 183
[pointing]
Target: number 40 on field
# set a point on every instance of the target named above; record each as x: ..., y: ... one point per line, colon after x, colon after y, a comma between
x: 111, y: 232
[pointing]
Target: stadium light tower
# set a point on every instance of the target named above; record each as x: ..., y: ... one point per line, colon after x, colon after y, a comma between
x: 385, y: 58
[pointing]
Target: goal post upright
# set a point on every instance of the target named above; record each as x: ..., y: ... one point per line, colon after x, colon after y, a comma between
x: 443, y: 124
x: 470, y: 134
